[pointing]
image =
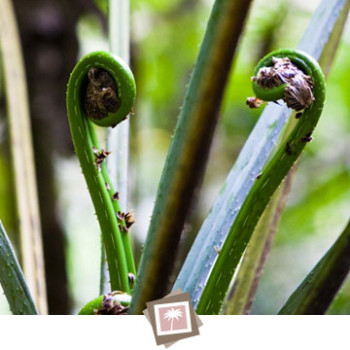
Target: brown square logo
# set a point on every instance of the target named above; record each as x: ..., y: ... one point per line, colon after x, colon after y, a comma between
x: 172, y: 318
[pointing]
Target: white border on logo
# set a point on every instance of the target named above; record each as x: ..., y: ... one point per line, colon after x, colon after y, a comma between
x: 176, y: 331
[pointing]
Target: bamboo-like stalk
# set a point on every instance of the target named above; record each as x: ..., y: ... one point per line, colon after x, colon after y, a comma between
x: 186, y: 159
x: 22, y: 156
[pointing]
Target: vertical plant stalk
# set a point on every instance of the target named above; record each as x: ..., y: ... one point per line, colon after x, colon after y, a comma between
x: 188, y: 152
x: 12, y: 280
x: 22, y: 156
x: 315, y: 294
x: 245, y: 285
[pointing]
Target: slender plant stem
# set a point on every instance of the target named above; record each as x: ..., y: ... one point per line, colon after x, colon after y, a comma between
x: 12, y: 280
x: 22, y: 156
x: 187, y: 156
x: 315, y: 294
x: 126, y: 237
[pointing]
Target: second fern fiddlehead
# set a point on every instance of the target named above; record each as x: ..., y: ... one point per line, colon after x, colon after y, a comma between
x: 283, y: 74
x: 101, y: 90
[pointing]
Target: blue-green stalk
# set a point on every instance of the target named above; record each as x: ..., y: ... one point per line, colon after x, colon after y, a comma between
x: 315, y: 294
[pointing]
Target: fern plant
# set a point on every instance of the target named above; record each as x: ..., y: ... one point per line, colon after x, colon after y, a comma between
x: 101, y: 91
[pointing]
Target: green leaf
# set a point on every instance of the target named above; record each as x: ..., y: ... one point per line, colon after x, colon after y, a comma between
x: 12, y: 280
x: 315, y: 294
x: 254, y: 155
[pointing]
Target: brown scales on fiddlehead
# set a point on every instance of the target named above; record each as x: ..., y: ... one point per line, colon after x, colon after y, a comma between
x: 298, y: 92
x: 101, y: 94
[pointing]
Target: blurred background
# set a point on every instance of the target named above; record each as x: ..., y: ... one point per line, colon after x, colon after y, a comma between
x: 165, y: 39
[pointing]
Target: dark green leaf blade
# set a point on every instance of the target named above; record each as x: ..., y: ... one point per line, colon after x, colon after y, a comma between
x: 12, y: 280
x: 315, y: 294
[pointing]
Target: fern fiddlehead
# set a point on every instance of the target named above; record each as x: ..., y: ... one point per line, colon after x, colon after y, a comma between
x: 274, y: 78
x: 101, y: 90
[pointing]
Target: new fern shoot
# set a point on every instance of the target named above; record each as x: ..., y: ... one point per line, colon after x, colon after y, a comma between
x: 101, y: 90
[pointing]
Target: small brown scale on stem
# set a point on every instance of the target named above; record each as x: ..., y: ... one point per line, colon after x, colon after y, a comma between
x: 254, y: 102
x: 100, y: 156
x: 101, y: 95
x: 258, y: 176
x: 128, y: 219
x: 288, y: 149
x: 131, y: 278
x: 307, y: 138
x: 298, y: 92
x: 217, y: 249
x: 120, y: 215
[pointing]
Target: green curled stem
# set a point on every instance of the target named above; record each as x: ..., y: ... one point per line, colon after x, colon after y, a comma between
x: 269, y: 180
x: 114, y: 230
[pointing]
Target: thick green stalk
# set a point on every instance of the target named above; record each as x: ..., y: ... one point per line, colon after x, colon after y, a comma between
x: 266, y: 184
x: 89, y: 154
x: 315, y: 294
x: 22, y: 156
x: 189, y: 149
x: 12, y: 280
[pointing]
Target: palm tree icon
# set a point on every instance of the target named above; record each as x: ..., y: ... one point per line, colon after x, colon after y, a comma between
x: 172, y: 314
